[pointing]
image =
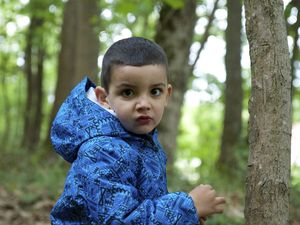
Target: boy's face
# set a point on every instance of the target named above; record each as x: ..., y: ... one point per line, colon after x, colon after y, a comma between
x: 138, y: 95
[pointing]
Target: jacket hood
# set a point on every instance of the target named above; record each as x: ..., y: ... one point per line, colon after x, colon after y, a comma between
x: 79, y: 119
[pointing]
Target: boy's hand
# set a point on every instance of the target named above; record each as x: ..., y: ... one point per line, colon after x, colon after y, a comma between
x: 206, y: 200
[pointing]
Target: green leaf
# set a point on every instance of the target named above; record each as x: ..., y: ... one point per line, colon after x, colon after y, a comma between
x: 176, y: 4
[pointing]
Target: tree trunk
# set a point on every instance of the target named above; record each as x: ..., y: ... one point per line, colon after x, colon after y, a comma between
x: 5, y: 129
x: 267, y: 183
x: 79, y: 49
x: 34, y: 59
x: 174, y: 33
x: 233, y: 86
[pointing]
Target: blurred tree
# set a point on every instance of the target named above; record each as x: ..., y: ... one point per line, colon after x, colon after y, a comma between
x: 175, y: 30
x: 267, y: 182
x: 5, y: 103
x: 79, y: 48
x: 233, y: 86
x: 35, y: 52
x: 293, y: 31
x: 7, y: 68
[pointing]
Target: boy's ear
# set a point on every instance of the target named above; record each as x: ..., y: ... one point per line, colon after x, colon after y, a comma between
x: 169, y: 92
x: 102, y: 97
x: 170, y: 88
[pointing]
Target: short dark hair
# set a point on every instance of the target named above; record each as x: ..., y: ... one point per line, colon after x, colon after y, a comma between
x: 133, y: 51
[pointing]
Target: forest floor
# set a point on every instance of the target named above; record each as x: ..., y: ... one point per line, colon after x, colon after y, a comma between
x: 14, y: 211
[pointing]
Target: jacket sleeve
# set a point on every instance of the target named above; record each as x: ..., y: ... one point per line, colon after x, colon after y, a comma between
x: 101, y: 189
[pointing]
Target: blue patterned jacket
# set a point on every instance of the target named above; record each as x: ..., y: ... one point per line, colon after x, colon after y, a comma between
x: 116, y: 177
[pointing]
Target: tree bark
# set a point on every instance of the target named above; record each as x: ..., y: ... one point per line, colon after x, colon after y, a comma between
x: 174, y: 33
x: 79, y: 49
x: 267, y: 182
x: 232, y: 124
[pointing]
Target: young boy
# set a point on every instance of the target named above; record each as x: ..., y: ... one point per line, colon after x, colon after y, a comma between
x: 118, y: 171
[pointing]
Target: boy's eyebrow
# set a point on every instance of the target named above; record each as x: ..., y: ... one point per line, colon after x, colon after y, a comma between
x: 127, y: 85
x: 159, y: 84
x: 122, y: 85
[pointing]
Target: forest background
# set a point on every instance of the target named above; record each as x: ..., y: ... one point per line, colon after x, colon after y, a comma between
x: 46, y: 47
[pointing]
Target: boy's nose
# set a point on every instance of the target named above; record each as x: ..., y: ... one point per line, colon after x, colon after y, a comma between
x: 143, y: 103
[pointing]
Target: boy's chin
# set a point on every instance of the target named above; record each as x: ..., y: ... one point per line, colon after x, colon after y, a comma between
x: 141, y: 131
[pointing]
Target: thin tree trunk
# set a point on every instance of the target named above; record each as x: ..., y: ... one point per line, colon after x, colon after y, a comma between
x: 174, y: 33
x: 233, y: 87
x: 295, y: 51
x: 267, y: 183
x: 34, y: 56
x: 5, y: 107
x: 79, y: 49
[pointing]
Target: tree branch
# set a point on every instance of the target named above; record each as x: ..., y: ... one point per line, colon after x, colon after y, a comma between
x: 205, y: 35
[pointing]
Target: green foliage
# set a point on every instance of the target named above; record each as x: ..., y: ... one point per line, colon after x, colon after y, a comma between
x: 295, y: 195
x: 296, y: 108
x: 127, y: 18
x: 32, y: 177
x: 224, y: 220
x: 200, y: 132
x: 296, y: 176
x: 199, y: 138
x: 176, y: 4
x: 14, y: 23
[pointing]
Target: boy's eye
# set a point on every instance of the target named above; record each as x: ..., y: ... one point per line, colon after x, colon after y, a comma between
x: 127, y: 93
x: 156, y: 92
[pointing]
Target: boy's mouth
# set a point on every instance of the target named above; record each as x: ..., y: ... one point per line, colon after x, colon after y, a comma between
x: 144, y: 120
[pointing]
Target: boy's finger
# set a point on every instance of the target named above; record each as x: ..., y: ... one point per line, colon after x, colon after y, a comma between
x: 218, y: 210
x: 220, y: 200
